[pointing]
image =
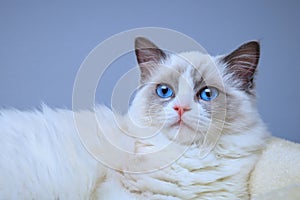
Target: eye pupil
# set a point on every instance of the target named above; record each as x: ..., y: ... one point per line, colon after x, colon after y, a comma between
x: 164, y: 91
x: 208, y: 93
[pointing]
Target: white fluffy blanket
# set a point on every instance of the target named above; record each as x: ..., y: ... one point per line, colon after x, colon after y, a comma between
x: 277, y: 173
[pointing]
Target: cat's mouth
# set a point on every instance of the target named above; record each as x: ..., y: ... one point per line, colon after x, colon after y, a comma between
x: 179, y: 124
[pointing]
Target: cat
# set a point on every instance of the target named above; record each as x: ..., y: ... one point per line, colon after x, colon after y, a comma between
x: 192, y: 132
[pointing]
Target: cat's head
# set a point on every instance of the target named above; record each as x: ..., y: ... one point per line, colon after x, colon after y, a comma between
x: 192, y: 92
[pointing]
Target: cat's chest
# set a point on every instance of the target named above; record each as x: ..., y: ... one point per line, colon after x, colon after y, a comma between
x: 189, y: 177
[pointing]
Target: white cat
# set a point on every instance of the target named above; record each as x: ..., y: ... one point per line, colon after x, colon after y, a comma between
x: 195, y: 134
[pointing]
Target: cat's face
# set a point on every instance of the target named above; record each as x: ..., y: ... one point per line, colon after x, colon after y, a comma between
x: 201, y: 95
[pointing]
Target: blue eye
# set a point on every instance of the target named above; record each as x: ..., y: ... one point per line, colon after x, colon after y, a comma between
x: 164, y: 91
x: 208, y: 93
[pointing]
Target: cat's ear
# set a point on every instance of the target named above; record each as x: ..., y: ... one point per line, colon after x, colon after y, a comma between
x: 242, y: 64
x: 146, y: 51
x: 148, y: 56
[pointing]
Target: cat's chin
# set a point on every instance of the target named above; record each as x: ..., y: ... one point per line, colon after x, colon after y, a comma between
x: 181, y: 133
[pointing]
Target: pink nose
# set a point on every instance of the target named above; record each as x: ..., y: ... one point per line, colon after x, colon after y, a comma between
x: 181, y: 109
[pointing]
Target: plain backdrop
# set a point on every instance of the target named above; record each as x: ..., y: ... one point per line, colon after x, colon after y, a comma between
x: 43, y: 43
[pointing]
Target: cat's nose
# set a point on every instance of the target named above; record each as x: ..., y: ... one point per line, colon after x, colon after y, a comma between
x: 181, y: 109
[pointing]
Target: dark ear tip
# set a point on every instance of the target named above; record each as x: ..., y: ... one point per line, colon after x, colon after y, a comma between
x: 138, y: 39
x: 140, y: 42
x: 254, y: 44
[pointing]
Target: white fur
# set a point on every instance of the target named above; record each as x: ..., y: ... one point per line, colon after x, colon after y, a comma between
x: 42, y: 155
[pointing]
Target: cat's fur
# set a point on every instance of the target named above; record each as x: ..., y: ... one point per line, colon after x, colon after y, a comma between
x: 214, y: 145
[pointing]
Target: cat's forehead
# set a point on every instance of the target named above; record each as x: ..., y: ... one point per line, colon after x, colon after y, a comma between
x: 194, y: 67
x: 195, y: 62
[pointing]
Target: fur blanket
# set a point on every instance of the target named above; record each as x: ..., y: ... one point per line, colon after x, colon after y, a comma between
x: 277, y: 173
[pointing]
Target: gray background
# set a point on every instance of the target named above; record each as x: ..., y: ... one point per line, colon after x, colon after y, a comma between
x: 42, y: 45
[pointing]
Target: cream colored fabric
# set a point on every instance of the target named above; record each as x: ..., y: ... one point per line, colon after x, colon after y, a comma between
x: 277, y: 173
